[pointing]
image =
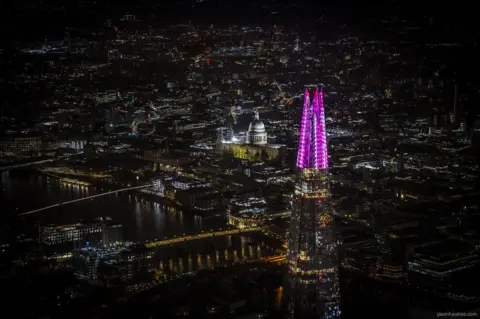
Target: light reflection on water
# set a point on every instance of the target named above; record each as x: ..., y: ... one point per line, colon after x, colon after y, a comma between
x: 211, y: 253
x: 142, y: 219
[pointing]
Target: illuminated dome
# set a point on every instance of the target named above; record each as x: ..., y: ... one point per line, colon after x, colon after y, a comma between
x: 256, y: 126
x: 256, y: 132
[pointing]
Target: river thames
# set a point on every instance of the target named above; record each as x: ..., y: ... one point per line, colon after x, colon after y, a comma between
x: 142, y: 218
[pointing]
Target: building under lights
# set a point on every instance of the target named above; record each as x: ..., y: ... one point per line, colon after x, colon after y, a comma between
x: 312, y: 278
x: 253, y: 146
x: 101, y: 232
x: 14, y: 146
x: 124, y: 261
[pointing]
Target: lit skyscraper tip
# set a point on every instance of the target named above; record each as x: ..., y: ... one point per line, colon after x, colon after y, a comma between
x: 312, y: 279
x: 312, y: 145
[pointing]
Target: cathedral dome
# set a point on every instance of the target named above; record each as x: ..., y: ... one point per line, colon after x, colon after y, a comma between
x: 256, y: 126
x: 256, y: 132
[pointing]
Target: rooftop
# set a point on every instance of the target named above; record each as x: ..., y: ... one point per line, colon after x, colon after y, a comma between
x: 445, y: 251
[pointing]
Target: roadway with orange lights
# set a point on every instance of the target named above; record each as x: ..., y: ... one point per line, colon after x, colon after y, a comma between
x: 182, y: 239
x: 272, y: 259
x: 275, y: 259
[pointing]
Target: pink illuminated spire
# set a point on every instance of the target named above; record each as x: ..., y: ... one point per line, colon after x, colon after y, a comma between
x: 312, y: 145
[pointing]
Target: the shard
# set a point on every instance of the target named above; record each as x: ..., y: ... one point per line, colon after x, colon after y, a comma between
x: 311, y: 286
x: 312, y: 146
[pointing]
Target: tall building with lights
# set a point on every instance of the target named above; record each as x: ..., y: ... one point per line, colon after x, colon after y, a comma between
x: 311, y: 285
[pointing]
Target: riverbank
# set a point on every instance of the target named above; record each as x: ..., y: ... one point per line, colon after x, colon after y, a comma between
x: 143, y: 217
x: 106, y: 186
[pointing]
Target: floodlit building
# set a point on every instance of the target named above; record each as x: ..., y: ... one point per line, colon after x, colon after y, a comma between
x: 253, y: 146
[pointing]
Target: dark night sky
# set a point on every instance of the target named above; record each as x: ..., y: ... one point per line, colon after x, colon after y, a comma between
x: 24, y: 20
x: 17, y: 17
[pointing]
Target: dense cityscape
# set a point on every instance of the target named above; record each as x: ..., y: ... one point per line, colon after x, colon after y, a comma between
x: 159, y: 165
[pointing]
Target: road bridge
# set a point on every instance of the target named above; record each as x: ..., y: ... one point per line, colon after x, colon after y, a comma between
x: 22, y: 165
x: 275, y: 259
x: 182, y: 239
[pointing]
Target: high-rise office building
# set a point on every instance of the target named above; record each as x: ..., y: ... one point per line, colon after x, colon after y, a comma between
x: 102, y: 231
x: 311, y: 285
x: 16, y: 145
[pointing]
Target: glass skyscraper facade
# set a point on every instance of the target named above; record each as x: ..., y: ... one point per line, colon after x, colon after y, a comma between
x: 311, y: 285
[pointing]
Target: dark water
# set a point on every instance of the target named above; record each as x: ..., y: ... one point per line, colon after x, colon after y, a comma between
x: 213, y: 252
x: 142, y: 218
